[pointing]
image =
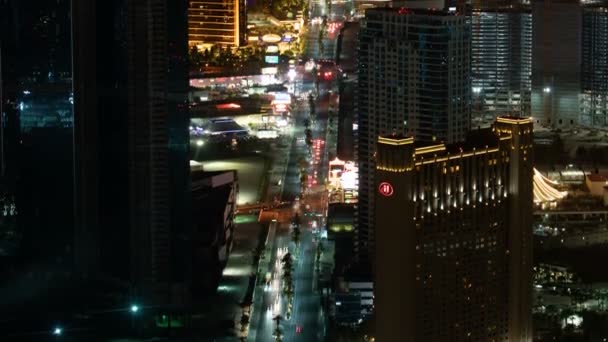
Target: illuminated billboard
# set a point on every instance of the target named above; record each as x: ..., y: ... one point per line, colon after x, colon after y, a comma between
x: 281, y: 97
x: 271, y: 38
x: 272, y: 49
x: 272, y: 59
x: 269, y: 71
x: 267, y: 134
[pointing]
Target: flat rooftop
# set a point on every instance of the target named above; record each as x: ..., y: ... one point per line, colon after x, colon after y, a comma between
x: 219, y: 126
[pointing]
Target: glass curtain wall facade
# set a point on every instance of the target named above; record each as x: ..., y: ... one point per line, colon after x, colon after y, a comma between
x: 501, y: 60
x: 594, y: 73
x: 556, y: 62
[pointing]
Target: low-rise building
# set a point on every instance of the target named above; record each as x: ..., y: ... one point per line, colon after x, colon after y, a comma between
x: 354, y: 298
x: 214, y: 197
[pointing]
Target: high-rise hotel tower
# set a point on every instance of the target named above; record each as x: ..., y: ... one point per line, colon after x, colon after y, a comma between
x: 414, y: 78
x: 453, y: 256
x: 221, y: 22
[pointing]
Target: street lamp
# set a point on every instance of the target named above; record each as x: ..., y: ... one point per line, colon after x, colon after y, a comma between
x: 134, y: 309
x: 200, y: 142
x: 547, y: 90
x: 57, y: 331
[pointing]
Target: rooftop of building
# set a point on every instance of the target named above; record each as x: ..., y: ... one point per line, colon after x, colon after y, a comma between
x: 212, y: 178
x: 341, y: 209
x: 476, y: 139
x: 501, y: 6
x: 413, y: 11
x: 514, y: 119
x: 433, y: 8
x: 224, y: 125
x: 230, y: 107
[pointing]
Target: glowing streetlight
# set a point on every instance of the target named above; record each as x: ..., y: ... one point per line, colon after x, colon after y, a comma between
x: 57, y: 331
x: 547, y: 90
x: 200, y: 143
x: 134, y: 308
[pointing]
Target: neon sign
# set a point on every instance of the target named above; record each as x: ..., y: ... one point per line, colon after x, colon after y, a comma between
x: 386, y: 189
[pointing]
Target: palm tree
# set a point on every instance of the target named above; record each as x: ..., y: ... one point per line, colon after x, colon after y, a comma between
x: 307, y: 123
x: 278, y: 334
x: 288, y: 284
x: 320, y: 250
x: 287, y: 272
x: 296, y: 234
x: 287, y: 261
x: 289, y: 293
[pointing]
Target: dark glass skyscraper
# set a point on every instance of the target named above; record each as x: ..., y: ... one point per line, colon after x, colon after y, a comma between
x: 95, y: 134
x: 132, y: 134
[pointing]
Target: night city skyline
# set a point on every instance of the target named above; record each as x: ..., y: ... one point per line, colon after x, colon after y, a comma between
x: 304, y: 170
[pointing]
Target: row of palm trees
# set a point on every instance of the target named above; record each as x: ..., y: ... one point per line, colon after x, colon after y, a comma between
x: 288, y: 291
x: 287, y: 275
x: 225, y: 56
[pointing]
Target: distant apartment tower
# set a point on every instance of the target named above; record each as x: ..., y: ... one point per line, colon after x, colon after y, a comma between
x: 556, y: 62
x: 454, y: 223
x: 414, y: 78
x: 221, y: 22
x: 501, y: 59
x: 594, y: 73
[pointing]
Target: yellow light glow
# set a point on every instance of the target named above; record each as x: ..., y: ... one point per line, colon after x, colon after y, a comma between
x: 543, y: 191
x: 430, y: 149
x: 396, y: 142
x: 518, y: 121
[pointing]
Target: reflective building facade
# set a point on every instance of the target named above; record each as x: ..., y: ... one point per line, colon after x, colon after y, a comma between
x: 501, y: 59
x: 95, y: 96
x: 594, y: 73
x: 133, y: 172
x: 556, y: 62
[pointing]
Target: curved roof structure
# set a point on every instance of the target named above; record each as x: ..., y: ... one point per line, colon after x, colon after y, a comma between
x: 544, y: 190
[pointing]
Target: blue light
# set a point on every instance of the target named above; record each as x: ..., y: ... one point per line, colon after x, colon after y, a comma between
x: 134, y: 308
